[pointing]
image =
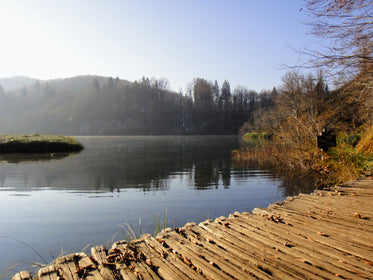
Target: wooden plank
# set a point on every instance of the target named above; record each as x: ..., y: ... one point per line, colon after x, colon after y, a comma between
x: 67, y: 266
x: 341, y: 205
x: 138, y: 265
x: 363, y: 186
x: 48, y: 273
x: 342, y: 246
x: 122, y: 259
x: 349, y: 230
x: 23, y: 275
x: 194, y: 259
x: 340, y: 209
x: 313, y: 232
x: 168, y: 264
x: 314, y: 249
x: 297, y: 248
x: 250, y: 254
x: 99, y: 255
x: 285, y: 245
x: 126, y: 272
x: 262, y: 258
x: 247, y: 261
x: 217, y: 261
x: 87, y: 269
x: 329, y: 216
x: 279, y: 263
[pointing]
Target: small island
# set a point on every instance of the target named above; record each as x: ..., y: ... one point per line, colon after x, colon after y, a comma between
x: 37, y: 143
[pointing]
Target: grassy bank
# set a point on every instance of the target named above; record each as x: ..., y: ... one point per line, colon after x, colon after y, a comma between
x: 256, y: 136
x: 350, y: 159
x: 36, y: 143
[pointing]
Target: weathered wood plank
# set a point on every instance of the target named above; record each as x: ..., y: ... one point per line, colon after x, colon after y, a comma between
x: 67, y: 266
x: 23, y: 275
x: 242, y: 258
x: 296, y: 247
x: 99, y: 255
x: 346, y: 231
x: 345, y: 207
x: 253, y: 261
x: 217, y: 261
x: 307, y: 245
x: 138, y: 266
x: 278, y: 266
x: 87, y: 269
x: 324, y: 237
x: 300, y: 263
x: 194, y: 259
x: 168, y: 264
x: 48, y: 273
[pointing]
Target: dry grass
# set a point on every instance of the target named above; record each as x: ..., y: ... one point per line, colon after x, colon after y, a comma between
x: 276, y: 156
x: 345, y: 163
x: 365, y: 144
x: 352, y: 157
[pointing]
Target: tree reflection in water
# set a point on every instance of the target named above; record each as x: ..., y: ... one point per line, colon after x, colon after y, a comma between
x: 146, y: 163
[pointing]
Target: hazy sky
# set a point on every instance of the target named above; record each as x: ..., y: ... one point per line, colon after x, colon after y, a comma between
x: 243, y: 41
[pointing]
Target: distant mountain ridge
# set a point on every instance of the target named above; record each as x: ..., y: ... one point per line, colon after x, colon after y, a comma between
x: 17, y: 82
x: 97, y: 105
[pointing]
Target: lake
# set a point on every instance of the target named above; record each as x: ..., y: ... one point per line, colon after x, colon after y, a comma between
x: 66, y: 203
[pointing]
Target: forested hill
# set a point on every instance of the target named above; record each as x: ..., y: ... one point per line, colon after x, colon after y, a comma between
x: 94, y: 105
x: 16, y: 82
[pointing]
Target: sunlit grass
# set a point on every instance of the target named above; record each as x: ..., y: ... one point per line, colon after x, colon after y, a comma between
x: 37, y: 143
x: 256, y: 136
x: 349, y: 160
x: 365, y: 144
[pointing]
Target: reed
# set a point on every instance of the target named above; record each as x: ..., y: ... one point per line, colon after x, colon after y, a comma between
x: 276, y: 156
x: 130, y: 232
x: 33, y: 265
x: 349, y: 160
x: 160, y: 224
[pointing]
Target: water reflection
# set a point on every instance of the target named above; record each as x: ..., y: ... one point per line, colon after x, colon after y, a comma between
x: 17, y: 158
x: 145, y: 163
x: 82, y: 198
x: 114, y: 163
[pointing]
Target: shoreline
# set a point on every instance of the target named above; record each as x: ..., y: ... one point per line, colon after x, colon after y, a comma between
x: 320, y: 235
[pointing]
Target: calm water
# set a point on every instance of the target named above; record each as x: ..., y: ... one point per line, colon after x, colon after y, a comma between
x: 83, y: 199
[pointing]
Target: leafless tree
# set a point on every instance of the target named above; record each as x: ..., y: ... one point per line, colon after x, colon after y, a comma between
x: 346, y: 27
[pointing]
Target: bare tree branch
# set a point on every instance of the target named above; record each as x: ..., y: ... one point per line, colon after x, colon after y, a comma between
x: 347, y: 27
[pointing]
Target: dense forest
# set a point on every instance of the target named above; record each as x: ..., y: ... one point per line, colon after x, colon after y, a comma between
x: 94, y: 105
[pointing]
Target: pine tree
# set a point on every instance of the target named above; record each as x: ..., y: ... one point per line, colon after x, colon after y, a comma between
x: 226, y: 95
x: 216, y: 92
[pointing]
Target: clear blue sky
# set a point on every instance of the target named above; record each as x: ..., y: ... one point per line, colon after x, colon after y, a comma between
x: 243, y: 41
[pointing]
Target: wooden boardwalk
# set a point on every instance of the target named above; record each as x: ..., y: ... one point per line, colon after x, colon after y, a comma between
x: 324, y: 235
